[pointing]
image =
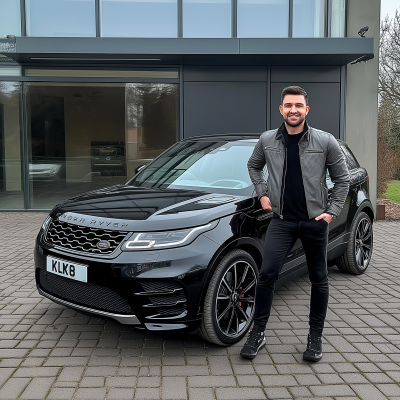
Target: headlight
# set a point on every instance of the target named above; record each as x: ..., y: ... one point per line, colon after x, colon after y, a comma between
x: 46, y: 223
x: 155, y: 240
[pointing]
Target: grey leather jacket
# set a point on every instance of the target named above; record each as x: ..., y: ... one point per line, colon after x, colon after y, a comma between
x: 318, y: 151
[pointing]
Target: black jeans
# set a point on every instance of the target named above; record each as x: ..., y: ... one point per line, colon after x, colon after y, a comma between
x: 280, y: 238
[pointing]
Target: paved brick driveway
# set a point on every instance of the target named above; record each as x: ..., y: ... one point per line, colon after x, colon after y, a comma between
x: 50, y: 352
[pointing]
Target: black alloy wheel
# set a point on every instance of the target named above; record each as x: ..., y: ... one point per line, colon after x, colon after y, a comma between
x: 229, y: 301
x: 357, y: 257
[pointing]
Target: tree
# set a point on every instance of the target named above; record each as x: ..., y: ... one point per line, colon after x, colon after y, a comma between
x: 389, y: 102
x: 389, y: 65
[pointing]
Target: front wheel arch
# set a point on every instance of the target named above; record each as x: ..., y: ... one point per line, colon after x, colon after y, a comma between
x: 248, y: 244
x: 230, y: 299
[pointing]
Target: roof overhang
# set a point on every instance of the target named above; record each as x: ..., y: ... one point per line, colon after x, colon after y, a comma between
x: 175, y: 51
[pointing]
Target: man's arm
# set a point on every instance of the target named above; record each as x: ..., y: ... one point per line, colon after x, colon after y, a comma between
x: 255, y: 165
x: 339, y: 173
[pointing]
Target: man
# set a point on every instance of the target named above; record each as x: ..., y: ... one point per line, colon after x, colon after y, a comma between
x: 297, y: 157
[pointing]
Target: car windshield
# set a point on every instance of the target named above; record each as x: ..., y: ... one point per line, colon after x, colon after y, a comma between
x: 216, y: 167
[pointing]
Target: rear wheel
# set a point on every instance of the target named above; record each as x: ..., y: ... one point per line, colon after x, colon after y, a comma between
x: 229, y: 301
x: 357, y: 257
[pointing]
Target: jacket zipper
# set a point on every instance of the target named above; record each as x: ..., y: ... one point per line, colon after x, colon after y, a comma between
x: 302, y: 177
x: 284, y: 183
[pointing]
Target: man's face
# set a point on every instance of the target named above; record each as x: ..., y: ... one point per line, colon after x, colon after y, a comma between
x: 294, y: 109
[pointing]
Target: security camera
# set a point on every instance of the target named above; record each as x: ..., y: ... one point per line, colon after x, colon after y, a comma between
x: 363, y: 31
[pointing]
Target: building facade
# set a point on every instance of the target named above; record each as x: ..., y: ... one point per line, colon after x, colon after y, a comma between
x: 91, y: 89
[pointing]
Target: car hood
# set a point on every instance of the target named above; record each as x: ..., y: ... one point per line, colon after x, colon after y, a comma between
x: 131, y: 208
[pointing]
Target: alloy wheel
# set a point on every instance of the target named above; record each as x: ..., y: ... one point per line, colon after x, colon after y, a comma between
x: 235, y: 299
x: 363, y: 243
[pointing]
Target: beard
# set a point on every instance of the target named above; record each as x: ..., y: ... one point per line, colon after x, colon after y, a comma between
x: 299, y: 122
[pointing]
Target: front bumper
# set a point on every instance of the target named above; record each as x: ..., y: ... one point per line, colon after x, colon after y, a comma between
x: 123, y: 319
x: 162, y: 294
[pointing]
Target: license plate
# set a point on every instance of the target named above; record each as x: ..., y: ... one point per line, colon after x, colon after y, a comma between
x: 68, y: 269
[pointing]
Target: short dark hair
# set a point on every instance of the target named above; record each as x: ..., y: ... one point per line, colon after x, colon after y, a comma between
x: 294, y: 90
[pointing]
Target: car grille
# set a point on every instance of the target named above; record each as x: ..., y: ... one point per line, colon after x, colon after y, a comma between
x: 85, y: 294
x: 166, y: 299
x: 81, y: 238
x: 154, y: 286
x: 171, y: 312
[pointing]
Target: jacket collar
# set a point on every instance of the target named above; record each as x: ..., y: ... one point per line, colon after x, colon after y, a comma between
x: 279, y: 133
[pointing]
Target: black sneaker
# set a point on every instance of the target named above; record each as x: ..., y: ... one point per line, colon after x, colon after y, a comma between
x: 254, y: 343
x: 314, y: 347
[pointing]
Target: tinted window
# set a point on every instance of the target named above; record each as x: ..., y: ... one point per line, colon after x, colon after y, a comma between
x: 350, y: 159
x: 262, y: 18
x: 207, y: 18
x: 60, y: 18
x: 139, y: 18
x: 84, y: 136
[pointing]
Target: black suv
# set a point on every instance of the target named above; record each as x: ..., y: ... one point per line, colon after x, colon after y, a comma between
x: 179, y: 245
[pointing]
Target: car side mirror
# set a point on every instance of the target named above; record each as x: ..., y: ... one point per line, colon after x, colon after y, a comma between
x: 139, y: 168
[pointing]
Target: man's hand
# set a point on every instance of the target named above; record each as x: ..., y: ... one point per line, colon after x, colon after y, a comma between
x: 327, y: 217
x: 265, y: 203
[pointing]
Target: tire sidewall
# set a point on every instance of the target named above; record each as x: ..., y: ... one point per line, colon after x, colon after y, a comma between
x: 212, y: 292
x: 356, y: 222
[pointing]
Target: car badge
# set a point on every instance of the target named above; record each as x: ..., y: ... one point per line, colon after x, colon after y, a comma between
x: 108, y: 158
x: 103, y: 245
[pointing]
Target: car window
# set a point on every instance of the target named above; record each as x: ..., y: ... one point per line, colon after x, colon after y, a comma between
x: 214, y: 166
x: 350, y: 159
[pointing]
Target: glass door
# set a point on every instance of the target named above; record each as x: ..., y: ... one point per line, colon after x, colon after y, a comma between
x: 11, y: 186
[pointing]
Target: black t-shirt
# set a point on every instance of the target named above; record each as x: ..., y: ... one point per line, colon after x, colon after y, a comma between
x: 294, y: 198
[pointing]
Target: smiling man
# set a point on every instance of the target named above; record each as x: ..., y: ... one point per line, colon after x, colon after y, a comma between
x: 297, y: 157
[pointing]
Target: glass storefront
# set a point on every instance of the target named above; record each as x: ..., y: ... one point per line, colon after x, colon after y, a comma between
x: 87, y: 136
x: 81, y: 136
x: 139, y: 18
x: 262, y: 18
x: 60, y: 18
x: 11, y: 179
x: 10, y: 21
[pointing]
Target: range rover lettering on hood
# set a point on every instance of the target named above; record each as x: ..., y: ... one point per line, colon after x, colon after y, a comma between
x: 96, y: 222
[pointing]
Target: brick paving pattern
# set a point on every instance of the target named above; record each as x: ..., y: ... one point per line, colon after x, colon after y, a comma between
x: 50, y: 352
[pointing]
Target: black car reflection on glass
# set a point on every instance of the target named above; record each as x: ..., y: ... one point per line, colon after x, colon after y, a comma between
x: 179, y: 246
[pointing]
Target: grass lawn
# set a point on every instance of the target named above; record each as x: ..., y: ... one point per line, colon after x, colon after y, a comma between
x: 393, y: 191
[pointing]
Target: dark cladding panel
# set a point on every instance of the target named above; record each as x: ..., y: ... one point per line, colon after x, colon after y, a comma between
x: 224, y: 107
x: 305, y: 73
x: 224, y: 74
x: 324, y: 102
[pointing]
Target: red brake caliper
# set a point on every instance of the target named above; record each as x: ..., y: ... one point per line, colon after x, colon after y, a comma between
x: 242, y: 295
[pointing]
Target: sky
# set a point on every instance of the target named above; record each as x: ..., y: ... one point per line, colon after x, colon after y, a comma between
x: 388, y: 7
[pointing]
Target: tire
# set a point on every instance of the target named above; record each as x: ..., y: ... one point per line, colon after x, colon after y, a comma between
x: 229, y: 302
x: 356, y: 258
